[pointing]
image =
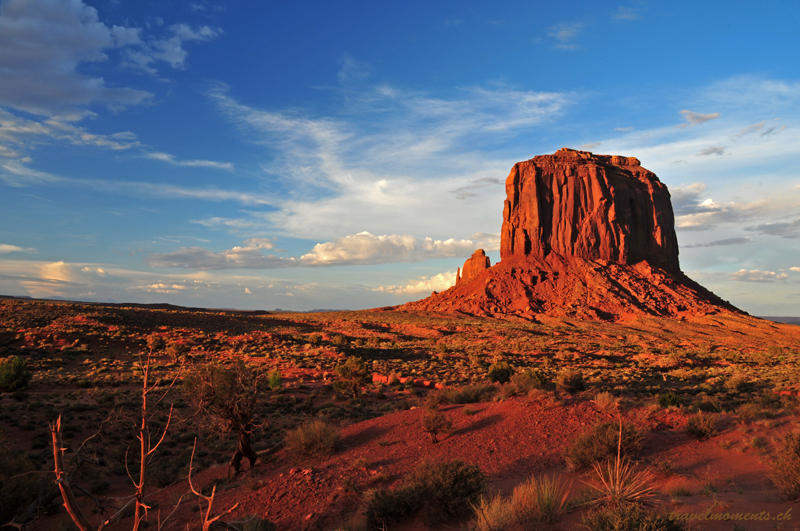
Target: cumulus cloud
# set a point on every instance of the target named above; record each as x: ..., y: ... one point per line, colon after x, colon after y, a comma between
x: 170, y: 159
x: 784, y: 229
x: 797, y: 269
x: 355, y: 249
x: 439, y: 282
x: 696, y: 118
x: 754, y: 275
x: 42, y: 45
x: 365, y: 248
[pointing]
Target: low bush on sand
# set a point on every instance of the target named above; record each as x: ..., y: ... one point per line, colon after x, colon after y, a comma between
x: 570, y: 381
x: 312, y: 439
x: 440, y: 490
x: 786, y: 468
x: 469, y: 394
x: 701, y: 425
x: 629, y: 517
x: 600, y: 443
x: 540, y: 501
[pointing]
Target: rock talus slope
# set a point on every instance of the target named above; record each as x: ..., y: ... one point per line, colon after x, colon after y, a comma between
x: 583, y: 235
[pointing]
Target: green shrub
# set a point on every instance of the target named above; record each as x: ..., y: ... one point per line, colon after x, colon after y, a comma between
x: 701, y: 426
x: 499, y: 372
x: 629, y: 517
x: 353, y: 374
x: 14, y: 374
x: 570, y: 381
x: 440, y: 490
x: 786, y: 468
x: 17, y: 489
x: 274, y: 379
x: 600, y: 443
x: 312, y: 439
x: 669, y: 399
x: 339, y: 340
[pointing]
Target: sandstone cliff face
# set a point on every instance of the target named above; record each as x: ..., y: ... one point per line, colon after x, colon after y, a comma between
x: 585, y: 236
x: 475, y: 264
x: 596, y: 207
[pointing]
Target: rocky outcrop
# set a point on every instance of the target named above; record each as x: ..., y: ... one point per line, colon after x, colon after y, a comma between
x: 583, y: 235
x: 475, y: 264
x: 596, y: 207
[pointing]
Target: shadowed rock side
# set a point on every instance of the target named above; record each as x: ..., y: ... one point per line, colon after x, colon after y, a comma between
x: 587, y: 236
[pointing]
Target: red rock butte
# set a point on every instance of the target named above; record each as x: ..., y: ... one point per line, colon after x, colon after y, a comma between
x: 583, y: 235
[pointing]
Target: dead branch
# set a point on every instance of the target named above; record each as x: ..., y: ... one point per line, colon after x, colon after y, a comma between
x: 208, y: 522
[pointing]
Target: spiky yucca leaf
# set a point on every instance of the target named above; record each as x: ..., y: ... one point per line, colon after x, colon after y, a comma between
x: 621, y: 482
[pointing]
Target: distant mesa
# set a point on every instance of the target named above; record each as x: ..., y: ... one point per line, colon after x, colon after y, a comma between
x: 583, y: 235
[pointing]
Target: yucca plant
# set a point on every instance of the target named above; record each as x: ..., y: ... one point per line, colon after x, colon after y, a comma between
x: 620, y: 480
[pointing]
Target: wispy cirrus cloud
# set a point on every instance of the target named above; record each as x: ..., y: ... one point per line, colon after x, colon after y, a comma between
x: 171, y: 159
x: 754, y: 275
x: 564, y: 34
x: 6, y: 248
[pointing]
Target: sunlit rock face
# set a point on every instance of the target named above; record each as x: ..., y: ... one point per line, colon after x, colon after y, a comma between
x: 596, y: 207
x: 583, y: 235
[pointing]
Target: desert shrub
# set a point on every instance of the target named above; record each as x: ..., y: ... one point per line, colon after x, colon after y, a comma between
x: 786, y: 468
x: 748, y: 412
x: 14, y: 374
x: 701, y: 425
x: 570, y: 381
x: 435, y: 422
x: 499, y: 372
x: 339, y: 340
x: 441, y: 490
x: 629, y: 517
x: 177, y: 351
x: 312, y: 439
x: 315, y: 338
x: 492, y: 514
x: 737, y: 383
x: 353, y: 374
x: 605, y: 401
x: 669, y: 399
x: 469, y: 394
x: 620, y: 482
x: 274, y: 379
x: 539, y: 501
x: 527, y: 380
x: 600, y: 443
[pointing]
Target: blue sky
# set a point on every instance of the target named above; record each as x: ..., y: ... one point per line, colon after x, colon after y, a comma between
x: 304, y: 155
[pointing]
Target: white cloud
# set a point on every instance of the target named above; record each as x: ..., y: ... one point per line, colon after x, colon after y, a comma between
x: 352, y: 70
x: 707, y: 214
x: 784, y: 229
x: 439, y: 282
x: 355, y: 249
x: 42, y: 45
x: 564, y: 34
x: 365, y: 248
x: 170, y: 159
x: 170, y: 49
x: 399, y: 169
x: 754, y: 275
x: 6, y: 248
x: 694, y: 118
x: 797, y: 269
